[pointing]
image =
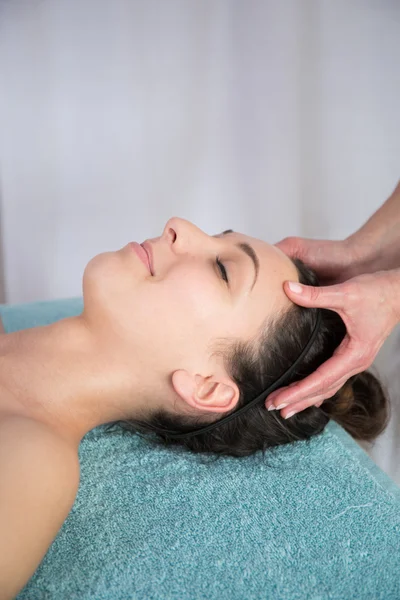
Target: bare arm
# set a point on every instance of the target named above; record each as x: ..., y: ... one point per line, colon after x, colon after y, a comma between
x: 39, y: 475
x: 376, y: 245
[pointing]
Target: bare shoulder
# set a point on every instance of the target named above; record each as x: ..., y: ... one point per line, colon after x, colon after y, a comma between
x: 20, y: 433
x: 24, y: 441
x: 39, y: 474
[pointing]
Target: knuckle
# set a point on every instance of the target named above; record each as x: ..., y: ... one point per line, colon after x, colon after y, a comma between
x: 323, y: 389
x: 314, y: 292
x: 352, y: 292
x: 362, y: 357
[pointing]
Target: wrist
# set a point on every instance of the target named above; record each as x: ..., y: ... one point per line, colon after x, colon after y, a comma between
x: 394, y: 285
x: 364, y: 252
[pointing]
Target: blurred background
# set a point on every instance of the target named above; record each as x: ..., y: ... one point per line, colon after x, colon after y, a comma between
x: 269, y: 117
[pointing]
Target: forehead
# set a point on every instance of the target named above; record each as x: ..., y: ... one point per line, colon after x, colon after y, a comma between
x: 267, y: 296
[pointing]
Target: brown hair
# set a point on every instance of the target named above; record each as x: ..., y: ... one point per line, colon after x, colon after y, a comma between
x: 360, y: 406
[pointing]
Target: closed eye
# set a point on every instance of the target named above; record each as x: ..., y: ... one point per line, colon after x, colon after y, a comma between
x: 222, y: 270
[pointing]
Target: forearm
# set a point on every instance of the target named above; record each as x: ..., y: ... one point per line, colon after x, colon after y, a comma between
x: 394, y: 281
x: 377, y: 242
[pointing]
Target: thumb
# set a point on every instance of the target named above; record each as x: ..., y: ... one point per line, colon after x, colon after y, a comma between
x: 329, y: 296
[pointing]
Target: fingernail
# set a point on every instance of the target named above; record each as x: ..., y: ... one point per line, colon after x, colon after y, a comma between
x: 272, y: 407
x: 281, y: 406
x: 295, y: 287
x: 292, y: 412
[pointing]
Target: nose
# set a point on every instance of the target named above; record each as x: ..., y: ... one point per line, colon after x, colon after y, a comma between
x: 184, y: 235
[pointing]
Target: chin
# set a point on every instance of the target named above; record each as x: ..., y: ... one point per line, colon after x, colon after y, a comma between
x: 101, y: 275
x: 109, y: 284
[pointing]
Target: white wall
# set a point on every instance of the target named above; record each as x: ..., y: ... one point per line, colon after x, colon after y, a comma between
x: 269, y: 117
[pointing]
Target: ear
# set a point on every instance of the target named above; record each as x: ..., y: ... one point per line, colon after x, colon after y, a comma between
x: 216, y: 393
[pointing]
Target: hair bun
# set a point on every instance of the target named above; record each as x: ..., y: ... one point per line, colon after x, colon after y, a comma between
x: 345, y: 398
x: 360, y: 406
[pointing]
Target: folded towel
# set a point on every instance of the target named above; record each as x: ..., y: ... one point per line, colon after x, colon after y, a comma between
x: 312, y: 520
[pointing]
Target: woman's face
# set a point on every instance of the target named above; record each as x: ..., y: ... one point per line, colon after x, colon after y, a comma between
x: 170, y: 320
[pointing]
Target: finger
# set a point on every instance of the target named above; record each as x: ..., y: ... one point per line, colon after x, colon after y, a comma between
x: 330, y: 296
x: 269, y: 399
x: 298, y: 247
x: 317, y: 400
x: 321, y: 380
x: 297, y: 407
x: 293, y: 393
x: 289, y: 246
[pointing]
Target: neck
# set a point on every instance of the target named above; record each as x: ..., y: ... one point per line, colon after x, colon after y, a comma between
x: 63, y: 375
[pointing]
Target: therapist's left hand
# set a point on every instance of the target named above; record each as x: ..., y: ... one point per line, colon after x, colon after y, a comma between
x: 369, y: 305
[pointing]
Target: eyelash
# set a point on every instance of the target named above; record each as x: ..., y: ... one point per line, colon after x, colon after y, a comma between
x: 223, y: 270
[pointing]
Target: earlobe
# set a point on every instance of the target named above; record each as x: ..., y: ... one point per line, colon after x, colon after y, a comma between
x: 205, y: 393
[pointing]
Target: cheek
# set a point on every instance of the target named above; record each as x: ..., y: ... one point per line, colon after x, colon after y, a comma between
x: 194, y: 295
x: 185, y: 306
x: 169, y: 316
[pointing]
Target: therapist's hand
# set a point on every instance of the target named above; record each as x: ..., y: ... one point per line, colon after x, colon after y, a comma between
x: 333, y: 261
x: 369, y: 305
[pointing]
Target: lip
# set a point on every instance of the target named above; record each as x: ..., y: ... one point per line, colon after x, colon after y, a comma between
x: 142, y: 253
x: 148, y: 249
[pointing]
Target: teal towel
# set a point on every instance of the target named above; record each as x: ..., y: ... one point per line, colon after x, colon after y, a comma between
x: 312, y: 520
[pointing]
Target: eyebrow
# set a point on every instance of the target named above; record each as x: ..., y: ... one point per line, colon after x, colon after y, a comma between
x: 249, y: 251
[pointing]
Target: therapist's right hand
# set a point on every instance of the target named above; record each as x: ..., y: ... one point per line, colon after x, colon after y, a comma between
x: 369, y: 305
x: 333, y: 261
